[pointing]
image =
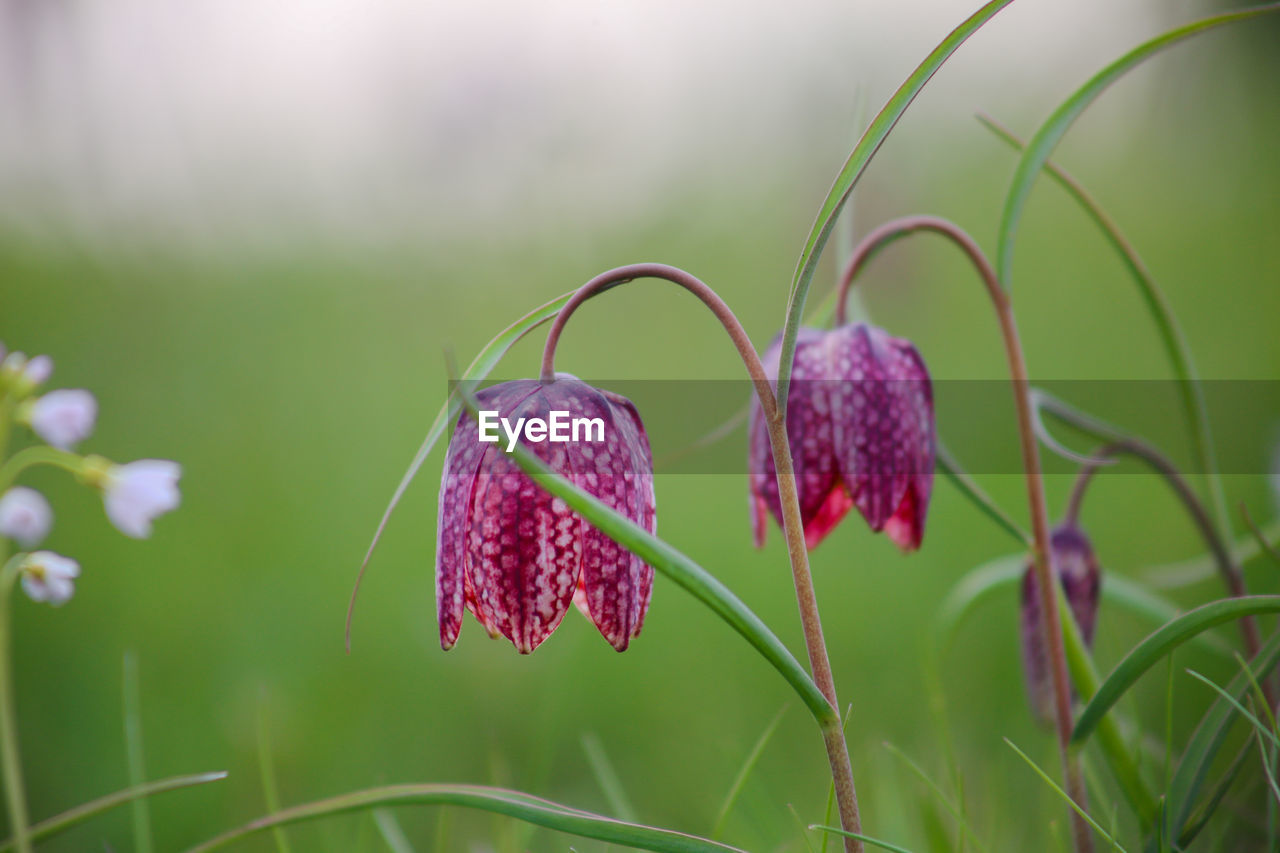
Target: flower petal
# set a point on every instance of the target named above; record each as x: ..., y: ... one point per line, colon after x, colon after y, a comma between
x: 460, y: 465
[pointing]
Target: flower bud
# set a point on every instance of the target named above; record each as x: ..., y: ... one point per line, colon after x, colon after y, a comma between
x: 63, y: 418
x: 49, y: 577
x: 25, y: 516
x: 1073, y: 563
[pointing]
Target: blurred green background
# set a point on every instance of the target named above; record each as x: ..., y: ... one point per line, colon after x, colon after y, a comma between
x: 294, y: 378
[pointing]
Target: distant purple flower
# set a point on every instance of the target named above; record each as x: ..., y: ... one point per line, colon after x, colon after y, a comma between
x: 64, y: 418
x: 25, y: 516
x: 516, y: 556
x: 49, y: 577
x: 861, y: 428
x: 136, y: 493
x: 1074, y: 564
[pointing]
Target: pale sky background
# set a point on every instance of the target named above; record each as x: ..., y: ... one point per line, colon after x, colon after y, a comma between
x: 234, y: 116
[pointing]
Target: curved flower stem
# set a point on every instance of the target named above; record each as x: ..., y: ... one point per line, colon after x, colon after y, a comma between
x: 793, y: 529
x: 10, y: 761
x: 38, y: 455
x: 1232, y: 577
x: 1047, y: 587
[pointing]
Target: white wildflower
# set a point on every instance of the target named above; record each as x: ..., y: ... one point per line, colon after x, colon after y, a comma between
x: 25, y: 516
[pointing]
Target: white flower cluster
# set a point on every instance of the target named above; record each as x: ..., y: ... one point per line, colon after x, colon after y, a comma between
x: 133, y: 494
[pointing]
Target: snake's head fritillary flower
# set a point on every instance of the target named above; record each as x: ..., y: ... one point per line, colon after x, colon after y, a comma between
x: 25, y: 516
x: 1074, y: 564
x: 136, y: 493
x: 48, y: 577
x: 516, y: 556
x: 861, y: 426
x: 63, y: 418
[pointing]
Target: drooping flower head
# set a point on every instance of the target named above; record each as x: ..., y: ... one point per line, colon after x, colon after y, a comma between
x: 64, y: 417
x: 861, y: 428
x: 25, y: 516
x: 1073, y: 562
x: 136, y: 493
x: 516, y: 556
x: 49, y: 577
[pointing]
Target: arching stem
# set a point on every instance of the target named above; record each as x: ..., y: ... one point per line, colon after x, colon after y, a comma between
x: 792, y: 527
x: 1047, y: 586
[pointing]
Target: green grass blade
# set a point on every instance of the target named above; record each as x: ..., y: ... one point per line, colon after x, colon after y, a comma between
x: 865, y: 839
x: 872, y: 138
x: 1040, y: 148
x: 941, y: 795
x: 390, y: 830
x: 1061, y: 793
x: 1200, y: 817
x: 513, y: 804
x: 1208, y: 738
x: 607, y: 777
x: 1238, y: 706
x: 267, y: 773
x: 1165, y: 639
x: 141, y: 809
x: 72, y: 817
x: 671, y: 562
x: 753, y: 758
x: 481, y: 366
x: 1171, y: 335
x: 970, y: 489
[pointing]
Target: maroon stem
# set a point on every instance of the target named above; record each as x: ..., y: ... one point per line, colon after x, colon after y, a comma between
x: 792, y: 527
x: 1052, y: 625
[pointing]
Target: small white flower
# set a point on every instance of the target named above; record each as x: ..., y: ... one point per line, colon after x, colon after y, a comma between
x: 64, y: 417
x: 138, y: 492
x: 25, y: 516
x: 38, y: 370
x: 50, y: 577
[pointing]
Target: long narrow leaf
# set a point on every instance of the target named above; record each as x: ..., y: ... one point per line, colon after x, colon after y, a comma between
x: 671, y: 562
x: 1203, y: 747
x: 1164, y: 640
x: 607, y: 777
x: 969, y: 488
x: 497, y: 800
x: 865, y: 839
x: 1061, y: 793
x: 872, y: 138
x: 72, y: 817
x: 753, y: 758
x: 1041, y: 146
x: 142, y: 840
x: 480, y: 367
x: 1175, y: 342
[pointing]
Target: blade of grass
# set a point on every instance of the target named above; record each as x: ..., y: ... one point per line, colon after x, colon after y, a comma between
x: 515, y: 804
x: 804, y: 832
x: 1175, y: 342
x: 483, y: 364
x: 1046, y: 138
x: 970, y: 489
x: 60, y: 823
x: 1063, y: 794
x: 1163, y: 640
x: 1205, y: 742
x: 665, y: 558
x: 869, y: 143
x: 392, y: 833
x: 267, y: 772
x: 865, y: 839
x: 607, y: 777
x: 941, y: 795
x: 753, y: 758
x: 1240, y: 708
x: 140, y: 807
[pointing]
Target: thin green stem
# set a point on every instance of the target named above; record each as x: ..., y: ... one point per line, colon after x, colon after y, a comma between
x: 10, y: 759
x: 141, y: 807
x: 38, y: 455
x: 1052, y: 627
x: 788, y: 493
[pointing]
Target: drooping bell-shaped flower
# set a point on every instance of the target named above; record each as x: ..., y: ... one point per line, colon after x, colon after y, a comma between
x: 1074, y: 564
x: 516, y: 556
x: 861, y: 428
